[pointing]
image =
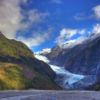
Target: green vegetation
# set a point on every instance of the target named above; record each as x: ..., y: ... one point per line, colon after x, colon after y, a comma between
x: 13, y: 48
x: 41, y: 81
x: 19, y: 69
x: 11, y: 77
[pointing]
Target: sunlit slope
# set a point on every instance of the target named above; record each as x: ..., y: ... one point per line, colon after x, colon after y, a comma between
x: 19, y: 69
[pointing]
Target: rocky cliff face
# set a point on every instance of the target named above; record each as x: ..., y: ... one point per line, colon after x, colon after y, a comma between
x: 87, y: 60
x: 81, y: 59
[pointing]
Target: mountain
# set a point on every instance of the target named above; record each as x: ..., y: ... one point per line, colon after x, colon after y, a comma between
x: 87, y: 60
x: 83, y: 59
x: 19, y: 69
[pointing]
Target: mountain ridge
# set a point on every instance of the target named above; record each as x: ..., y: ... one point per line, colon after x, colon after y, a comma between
x: 83, y: 59
x: 20, y: 69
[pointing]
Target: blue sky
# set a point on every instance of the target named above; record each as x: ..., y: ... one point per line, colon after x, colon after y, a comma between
x: 46, y: 23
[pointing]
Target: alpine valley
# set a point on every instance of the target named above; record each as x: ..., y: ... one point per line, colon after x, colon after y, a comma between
x: 77, y: 67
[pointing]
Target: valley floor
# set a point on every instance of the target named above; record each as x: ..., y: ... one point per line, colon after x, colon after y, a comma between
x: 49, y: 95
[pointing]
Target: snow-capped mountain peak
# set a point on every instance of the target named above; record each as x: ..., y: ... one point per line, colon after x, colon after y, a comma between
x: 44, y: 51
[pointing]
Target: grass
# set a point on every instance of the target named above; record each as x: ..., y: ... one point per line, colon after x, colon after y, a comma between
x: 12, y: 77
x: 18, y: 64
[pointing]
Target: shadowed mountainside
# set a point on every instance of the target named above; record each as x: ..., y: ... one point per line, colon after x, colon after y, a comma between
x: 81, y: 59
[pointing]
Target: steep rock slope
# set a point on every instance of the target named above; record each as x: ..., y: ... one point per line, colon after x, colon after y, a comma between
x: 87, y: 60
x: 19, y: 69
x: 81, y: 59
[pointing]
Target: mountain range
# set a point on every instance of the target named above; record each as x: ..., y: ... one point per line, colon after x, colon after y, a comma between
x: 83, y: 59
x: 20, y: 69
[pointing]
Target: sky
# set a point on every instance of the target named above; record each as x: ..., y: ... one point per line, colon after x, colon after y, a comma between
x: 46, y: 23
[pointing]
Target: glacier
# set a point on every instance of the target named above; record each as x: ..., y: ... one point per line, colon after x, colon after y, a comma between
x: 64, y: 78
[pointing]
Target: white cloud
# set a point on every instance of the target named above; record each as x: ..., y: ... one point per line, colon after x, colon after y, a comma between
x: 35, y: 16
x: 66, y: 34
x: 97, y: 11
x: 37, y: 39
x: 83, y: 16
x: 11, y: 17
x: 74, y: 42
x: 57, y: 1
x: 96, y: 29
x: 80, y: 16
x: 82, y: 31
x: 24, y: 1
x: 69, y: 43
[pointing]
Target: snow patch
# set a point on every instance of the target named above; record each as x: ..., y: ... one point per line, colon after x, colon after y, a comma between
x: 43, y: 58
x: 43, y: 51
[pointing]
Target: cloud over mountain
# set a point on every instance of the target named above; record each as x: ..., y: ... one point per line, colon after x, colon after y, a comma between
x: 13, y: 18
x: 30, y: 21
x: 10, y: 17
x: 64, y: 40
x: 66, y: 34
x: 37, y: 38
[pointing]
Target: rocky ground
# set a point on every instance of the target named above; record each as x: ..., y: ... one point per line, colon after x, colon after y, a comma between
x: 49, y: 95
